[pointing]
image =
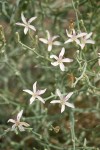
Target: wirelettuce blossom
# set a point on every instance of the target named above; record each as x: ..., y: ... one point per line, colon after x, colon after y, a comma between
x: 17, y: 123
x: 60, y: 60
x: 73, y: 37
x: 50, y: 41
x: 63, y: 100
x: 35, y: 94
x: 26, y: 24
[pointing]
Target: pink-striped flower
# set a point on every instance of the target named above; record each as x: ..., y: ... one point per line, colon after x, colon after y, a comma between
x: 26, y: 24
x: 50, y: 41
x: 17, y: 123
x: 63, y: 100
x: 35, y: 94
x: 60, y: 60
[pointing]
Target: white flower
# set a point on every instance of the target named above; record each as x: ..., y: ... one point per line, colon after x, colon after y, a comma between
x: 17, y: 122
x: 50, y: 40
x: 85, y: 39
x: 99, y: 59
x: 74, y: 37
x: 59, y: 60
x: 26, y: 24
x: 63, y: 100
x: 35, y: 94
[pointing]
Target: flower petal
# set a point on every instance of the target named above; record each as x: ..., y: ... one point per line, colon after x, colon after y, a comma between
x: 77, y: 41
x: 41, y: 99
x: 68, y: 41
x: 31, y: 19
x: 62, y: 108
x: 23, y: 18
x: 41, y: 91
x: 11, y: 120
x: 24, y: 124
x: 54, y: 56
x: 34, y: 87
x: 81, y: 35
x: 56, y: 43
x: 32, y: 27
x: 82, y: 45
x: 21, y: 128
x: 25, y: 30
x: 69, y: 105
x: 20, y: 24
x: 90, y: 42
x: 88, y: 35
x: 55, y: 63
x: 28, y: 91
x: 55, y: 37
x: 68, y: 96
x: 19, y: 115
x: 62, y: 67
x: 48, y: 34
x: 49, y: 47
x: 59, y: 93
x: 55, y: 101
x: 14, y: 127
x: 67, y: 60
x: 43, y: 40
x: 62, y: 52
x: 69, y: 35
x: 32, y: 99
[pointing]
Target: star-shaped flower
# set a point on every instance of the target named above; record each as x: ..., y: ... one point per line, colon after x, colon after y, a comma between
x: 60, y: 60
x: 50, y: 40
x: 18, y: 123
x: 73, y: 37
x: 26, y: 24
x: 63, y: 100
x: 35, y: 94
x: 86, y: 39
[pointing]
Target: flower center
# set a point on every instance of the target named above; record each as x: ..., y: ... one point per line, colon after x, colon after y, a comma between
x: 17, y: 123
x: 62, y: 101
x: 50, y: 41
x: 59, y: 60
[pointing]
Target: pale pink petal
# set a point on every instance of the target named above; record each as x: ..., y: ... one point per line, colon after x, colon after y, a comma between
x: 69, y: 105
x: 88, y: 35
x: 25, y: 30
x: 24, y: 124
x: 59, y: 93
x: 21, y: 128
x: 32, y: 27
x: 34, y: 87
x: 49, y: 47
x: 54, y: 56
x: 14, y: 127
x: 19, y: 115
x: 32, y: 99
x: 11, y: 120
x: 62, y: 67
x: 74, y: 33
x: 55, y: 63
x: 90, y: 42
x: 55, y: 101
x: 31, y: 19
x: 41, y: 91
x: 28, y: 91
x: 41, y: 99
x: 69, y: 35
x: 62, y: 108
x: 81, y: 35
x: 68, y: 96
x: 67, y: 60
x: 77, y: 41
x: 48, y: 34
x: 23, y: 18
x: 20, y: 24
x: 43, y: 40
x: 56, y: 43
x: 55, y: 37
x: 62, y: 52
x: 68, y: 41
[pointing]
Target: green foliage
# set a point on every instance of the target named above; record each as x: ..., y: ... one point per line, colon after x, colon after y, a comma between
x: 24, y: 60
